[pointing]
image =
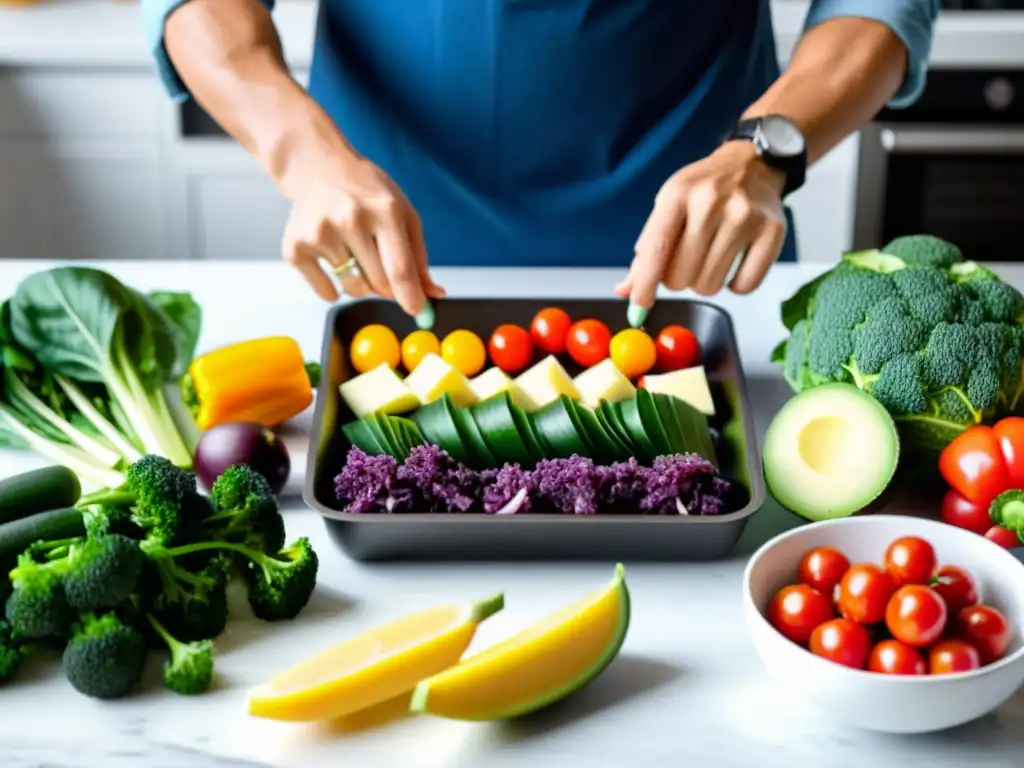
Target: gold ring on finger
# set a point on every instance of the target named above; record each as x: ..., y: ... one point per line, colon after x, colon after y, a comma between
x: 349, y: 268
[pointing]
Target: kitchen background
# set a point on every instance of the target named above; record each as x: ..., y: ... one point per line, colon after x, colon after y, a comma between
x: 95, y: 162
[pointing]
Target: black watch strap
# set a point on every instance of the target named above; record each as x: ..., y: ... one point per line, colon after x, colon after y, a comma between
x: 794, y: 167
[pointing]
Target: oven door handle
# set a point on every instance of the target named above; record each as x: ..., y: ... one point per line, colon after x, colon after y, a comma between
x: 952, y: 141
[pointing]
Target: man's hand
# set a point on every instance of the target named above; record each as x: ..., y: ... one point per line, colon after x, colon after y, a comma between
x: 704, y: 217
x: 354, y: 209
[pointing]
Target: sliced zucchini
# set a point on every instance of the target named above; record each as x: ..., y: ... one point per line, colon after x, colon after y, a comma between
x: 629, y: 415
x: 559, y: 429
x: 622, y: 445
x: 363, y: 437
x: 407, y: 432
x: 395, y: 446
x: 605, y: 449
x: 695, y: 428
x: 480, y: 455
x: 527, y: 432
x: 613, y: 418
x: 651, y: 420
x: 497, y: 425
x: 678, y: 438
x: 437, y: 423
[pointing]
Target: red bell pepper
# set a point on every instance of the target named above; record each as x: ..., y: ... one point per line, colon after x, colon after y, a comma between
x: 984, y: 461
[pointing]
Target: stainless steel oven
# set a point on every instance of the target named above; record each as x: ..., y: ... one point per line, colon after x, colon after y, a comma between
x: 952, y: 165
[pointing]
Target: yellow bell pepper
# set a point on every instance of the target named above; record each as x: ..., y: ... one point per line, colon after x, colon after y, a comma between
x: 265, y: 381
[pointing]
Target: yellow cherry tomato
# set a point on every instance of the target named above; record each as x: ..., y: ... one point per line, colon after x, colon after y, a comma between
x: 464, y: 351
x: 418, y: 345
x: 633, y: 352
x: 373, y: 345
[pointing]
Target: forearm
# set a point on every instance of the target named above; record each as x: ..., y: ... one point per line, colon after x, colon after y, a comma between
x: 841, y: 74
x: 228, y: 54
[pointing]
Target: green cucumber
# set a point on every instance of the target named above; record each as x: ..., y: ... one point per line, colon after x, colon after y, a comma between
x: 606, y: 450
x: 613, y: 418
x: 528, y: 433
x: 651, y: 420
x: 437, y: 423
x: 38, y: 490
x: 678, y: 437
x: 622, y: 446
x: 363, y: 437
x: 559, y: 429
x: 695, y: 427
x: 53, y: 525
x: 407, y: 432
x: 473, y: 440
x: 629, y: 414
x: 497, y: 425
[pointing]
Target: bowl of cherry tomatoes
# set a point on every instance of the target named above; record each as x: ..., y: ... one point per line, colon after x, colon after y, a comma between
x: 891, y: 623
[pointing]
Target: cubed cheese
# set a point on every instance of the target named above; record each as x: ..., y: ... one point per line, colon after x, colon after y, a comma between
x: 603, y: 382
x: 379, y: 390
x: 493, y: 382
x: 434, y: 378
x: 690, y: 385
x: 545, y: 382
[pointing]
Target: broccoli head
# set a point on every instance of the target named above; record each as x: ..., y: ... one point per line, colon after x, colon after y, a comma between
x: 246, y: 511
x: 10, y: 653
x: 935, y: 339
x: 189, y: 671
x: 280, y: 585
x: 38, y: 607
x: 105, y: 656
x: 102, y: 571
x: 191, y: 604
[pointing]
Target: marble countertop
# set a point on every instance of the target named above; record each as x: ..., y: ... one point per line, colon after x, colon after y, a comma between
x: 103, y: 33
x: 686, y: 689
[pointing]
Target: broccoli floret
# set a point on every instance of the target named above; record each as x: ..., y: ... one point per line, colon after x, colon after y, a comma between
x: 246, y: 511
x: 38, y: 607
x: 162, y: 497
x: 279, y: 585
x: 105, y: 656
x: 10, y: 653
x: 1007, y: 510
x: 193, y: 605
x: 939, y: 341
x: 924, y: 251
x: 190, y: 668
x: 102, y: 572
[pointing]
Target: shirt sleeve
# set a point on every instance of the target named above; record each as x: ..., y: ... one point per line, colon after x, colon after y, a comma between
x: 913, y: 21
x: 154, y: 16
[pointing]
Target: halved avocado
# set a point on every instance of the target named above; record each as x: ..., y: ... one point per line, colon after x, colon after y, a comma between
x: 831, y: 451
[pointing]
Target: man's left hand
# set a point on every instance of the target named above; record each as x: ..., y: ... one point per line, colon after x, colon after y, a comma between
x: 704, y: 217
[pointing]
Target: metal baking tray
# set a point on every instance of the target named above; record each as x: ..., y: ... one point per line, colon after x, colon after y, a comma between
x: 530, y: 536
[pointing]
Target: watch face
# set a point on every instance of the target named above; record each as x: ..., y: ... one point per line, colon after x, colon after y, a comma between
x: 781, y: 136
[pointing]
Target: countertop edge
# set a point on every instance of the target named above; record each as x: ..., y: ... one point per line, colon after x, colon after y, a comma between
x: 102, y: 33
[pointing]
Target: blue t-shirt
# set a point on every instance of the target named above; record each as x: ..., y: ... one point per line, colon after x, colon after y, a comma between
x: 537, y: 132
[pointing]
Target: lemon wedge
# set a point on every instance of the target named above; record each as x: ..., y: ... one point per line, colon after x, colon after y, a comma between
x: 537, y: 667
x: 371, y: 668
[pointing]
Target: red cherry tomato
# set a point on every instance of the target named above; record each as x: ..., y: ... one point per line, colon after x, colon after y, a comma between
x: 964, y: 513
x: 1009, y: 433
x: 952, y: 655
x: 1004, y: 537
x: 986, y: 629
x: 510, y: 348
x: 588, y: 342
x: 957, y: 587
x: 797, y: 609
x: 910, y: 560
x: 823, y: 568
x: 864, y: 593
x: 916, y: 615
x: 973, y: 464
x: 842, y: 641
x: 891, y: 657
x: 677, y: 348
x: 549, y: 328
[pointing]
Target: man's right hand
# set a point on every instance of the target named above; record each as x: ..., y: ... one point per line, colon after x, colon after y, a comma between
x: 353, y: 209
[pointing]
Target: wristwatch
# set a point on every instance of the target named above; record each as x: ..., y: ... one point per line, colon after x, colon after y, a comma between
x: 779, y: 143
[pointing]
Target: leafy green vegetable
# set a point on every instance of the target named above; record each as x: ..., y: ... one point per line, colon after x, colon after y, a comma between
x: 186, y: 318
x: 89, y: 332
x: 936, y: 339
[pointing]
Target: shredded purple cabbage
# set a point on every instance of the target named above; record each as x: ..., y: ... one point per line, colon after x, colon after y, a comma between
x: 429, y: 480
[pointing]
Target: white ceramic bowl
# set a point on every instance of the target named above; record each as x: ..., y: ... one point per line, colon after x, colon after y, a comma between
x: 887, y: 703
